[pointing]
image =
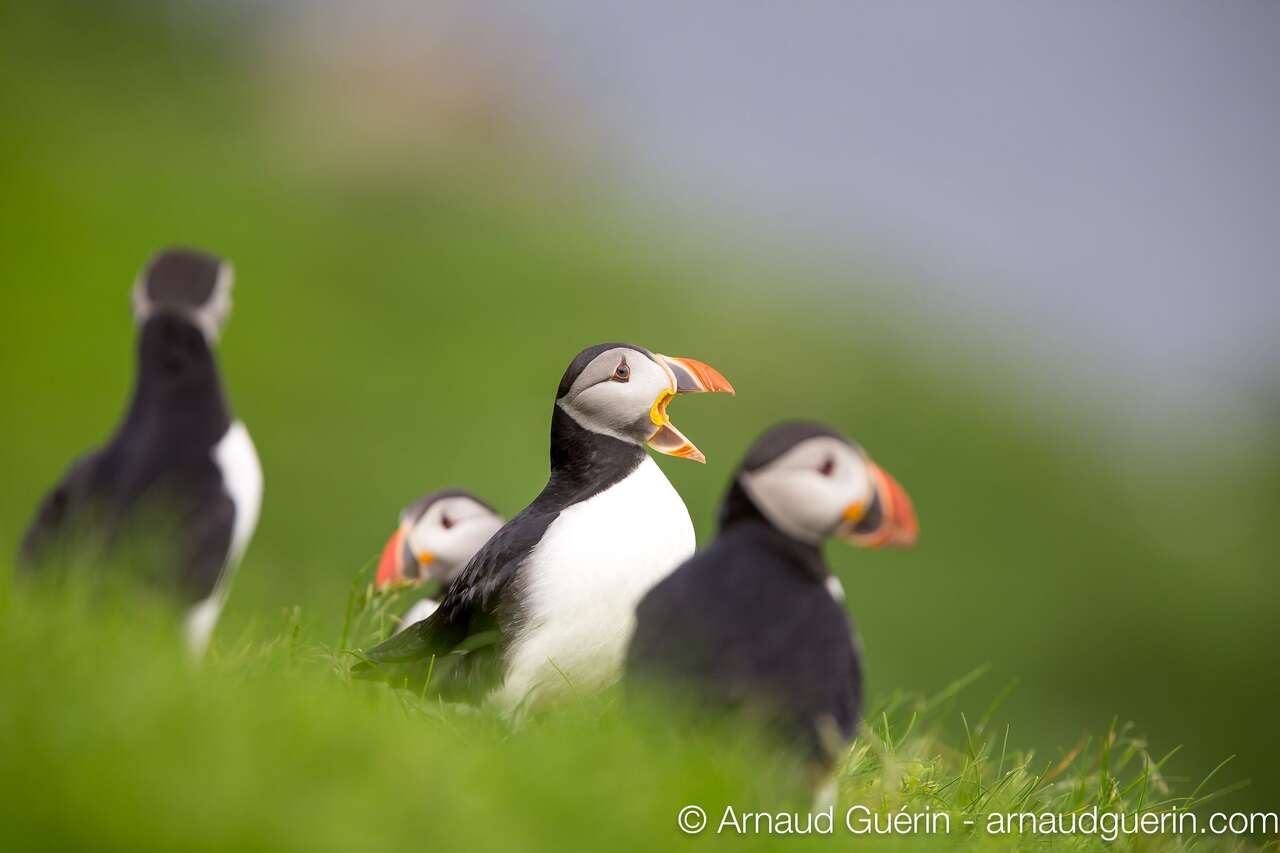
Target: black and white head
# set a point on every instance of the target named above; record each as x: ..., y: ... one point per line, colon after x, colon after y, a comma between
x: 438, y: 534
x: 622, y: 390
x: 189, y: 283
x: 810, y: 482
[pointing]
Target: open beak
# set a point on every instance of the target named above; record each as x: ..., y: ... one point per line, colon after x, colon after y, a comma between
x: 688, y: 376
x: 391, y: 565
x: 887, y: 521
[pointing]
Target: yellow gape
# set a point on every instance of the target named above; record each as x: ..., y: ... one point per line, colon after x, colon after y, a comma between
x: 658, y: 414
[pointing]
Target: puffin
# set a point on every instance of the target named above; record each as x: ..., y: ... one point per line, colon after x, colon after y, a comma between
x: 179, y: 484
x: 437, y: 535
x: 545, y: 608
x: 754, y: 626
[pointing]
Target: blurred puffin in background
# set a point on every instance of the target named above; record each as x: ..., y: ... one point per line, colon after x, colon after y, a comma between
x: 180, y: 480
x: 547, y: 606
x: 437, y: 535
x: 753, y: 625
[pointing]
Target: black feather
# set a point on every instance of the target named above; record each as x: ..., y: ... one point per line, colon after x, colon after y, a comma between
x: 156, y: 470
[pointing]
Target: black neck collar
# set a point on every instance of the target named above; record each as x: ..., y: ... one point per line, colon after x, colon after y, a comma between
x: 585, y: 463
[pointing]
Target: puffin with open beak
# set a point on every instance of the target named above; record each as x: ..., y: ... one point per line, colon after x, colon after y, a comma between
x: 437, y: 535
x: 753, y: 624
x: 547, y: 606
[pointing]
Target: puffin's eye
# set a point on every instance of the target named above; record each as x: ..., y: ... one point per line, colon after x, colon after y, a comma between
x: 446, y: 522
x: 828, y: 467
x: 622, y: 373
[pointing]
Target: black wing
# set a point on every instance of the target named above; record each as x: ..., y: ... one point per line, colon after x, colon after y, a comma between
x: 57, y: 518
x: 206, y: 539
x: 456, y: 651
x: 104, y: 501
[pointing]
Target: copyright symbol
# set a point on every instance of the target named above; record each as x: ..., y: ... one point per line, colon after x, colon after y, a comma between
x: 691, y: 820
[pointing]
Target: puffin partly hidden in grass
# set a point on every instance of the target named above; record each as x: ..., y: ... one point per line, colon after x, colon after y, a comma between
x: 754, y: 625
x: 438, y: 534
x: 547, y: 606
x: 178, y: 487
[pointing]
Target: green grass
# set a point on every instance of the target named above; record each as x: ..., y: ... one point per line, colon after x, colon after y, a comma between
x: 402, y: 316
x: 112, y: 740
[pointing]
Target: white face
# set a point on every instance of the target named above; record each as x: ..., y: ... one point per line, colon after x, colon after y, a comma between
x: 811, y: 489
x: 449, y: 534
x: 617, y: 392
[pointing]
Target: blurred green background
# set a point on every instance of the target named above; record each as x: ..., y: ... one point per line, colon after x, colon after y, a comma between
x: 410, y: 288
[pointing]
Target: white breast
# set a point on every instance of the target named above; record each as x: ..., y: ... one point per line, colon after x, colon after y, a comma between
x: 237, y: 459
x: 584, y: 580
x: 242, y: 478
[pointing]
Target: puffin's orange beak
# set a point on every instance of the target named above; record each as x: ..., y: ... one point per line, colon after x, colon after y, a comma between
x: 693, y: 376
x: 889, y: 521
x: 391, y: 564
x: 688, y: 376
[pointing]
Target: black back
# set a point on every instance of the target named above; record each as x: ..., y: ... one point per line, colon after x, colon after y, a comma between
x: 482, y: 608
x: 748, y: 627
x: 157, y: 471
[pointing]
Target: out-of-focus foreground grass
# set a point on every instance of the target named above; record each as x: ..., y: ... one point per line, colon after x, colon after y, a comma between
x: 113, y: 741
x: 403, y: 312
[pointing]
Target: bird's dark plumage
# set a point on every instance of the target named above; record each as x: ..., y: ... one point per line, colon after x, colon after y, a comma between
x: 748, y: 627
x: 159, y: 460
